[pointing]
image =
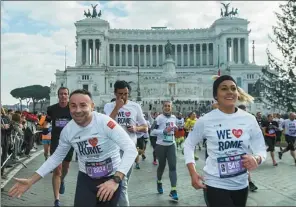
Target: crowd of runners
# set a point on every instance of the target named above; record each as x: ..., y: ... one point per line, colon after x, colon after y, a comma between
x: 110, y: 146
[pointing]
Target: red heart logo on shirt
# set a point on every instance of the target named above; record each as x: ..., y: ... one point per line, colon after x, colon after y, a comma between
x: 93, y: 142
x: 237, y: 132
x: 127, y: 114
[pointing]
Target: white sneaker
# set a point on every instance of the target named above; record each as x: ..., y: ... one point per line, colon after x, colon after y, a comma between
x: 33, y: 150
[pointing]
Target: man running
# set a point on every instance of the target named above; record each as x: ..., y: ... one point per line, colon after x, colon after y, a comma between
x: 59, y: 114
x: 164, y: 128
x: 127, y: 114
x: 290, y: 132
x: 97, y: 140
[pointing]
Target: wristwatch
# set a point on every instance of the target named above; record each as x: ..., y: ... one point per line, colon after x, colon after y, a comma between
x: 116, y: 179
x: 258, y: 159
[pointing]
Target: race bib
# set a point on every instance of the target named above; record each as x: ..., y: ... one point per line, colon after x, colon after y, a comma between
x: 292, y: 132
x: 271, y: 131
x: 168, y: 138
x: 230, y: 166
x: 99, y: 169
x: 61, y: 122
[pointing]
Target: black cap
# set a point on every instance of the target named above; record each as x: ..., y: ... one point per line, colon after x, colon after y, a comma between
x: 218, y: 81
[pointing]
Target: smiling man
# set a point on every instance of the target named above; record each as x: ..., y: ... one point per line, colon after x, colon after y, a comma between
x: 127, y: 114
x: 97, y: 140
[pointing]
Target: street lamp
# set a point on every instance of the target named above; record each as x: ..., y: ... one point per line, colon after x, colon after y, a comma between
x: 138, y: 89
x: 106, y: 70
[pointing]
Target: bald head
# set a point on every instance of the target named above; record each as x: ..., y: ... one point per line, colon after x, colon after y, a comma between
x: 292, y: 116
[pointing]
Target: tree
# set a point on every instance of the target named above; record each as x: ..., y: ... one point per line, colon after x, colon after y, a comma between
x: 34, y: 92
x: 277, y: 85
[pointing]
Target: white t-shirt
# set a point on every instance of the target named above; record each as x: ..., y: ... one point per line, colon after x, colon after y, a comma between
x: 290, y: 127
x: 180, y: 123
x: 100, y: 140
x: 228, y: 136
x: 163, y: 122
x: 131, y: 113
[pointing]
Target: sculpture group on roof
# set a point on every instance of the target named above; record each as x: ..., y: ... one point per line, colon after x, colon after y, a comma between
x: 94, y: 13
x: 227, y: 13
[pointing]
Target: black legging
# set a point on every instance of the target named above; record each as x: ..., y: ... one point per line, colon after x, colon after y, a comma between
x: 153, y: 140
x: 86, y: 192
x: 216, y: 197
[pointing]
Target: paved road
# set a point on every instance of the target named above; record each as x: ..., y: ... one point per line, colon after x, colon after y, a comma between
x: 276, y: 186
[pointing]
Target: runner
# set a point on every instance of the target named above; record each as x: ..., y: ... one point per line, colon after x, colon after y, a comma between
x: 153, y: 138
x: 97, y: 140
x: 126, y: 113
x: 252, y: 186
x: 46, y: 137
x: 229, y: 132
x: 180, y: 133
x: 269, y: 128
x: 59, y: 114
x: 290, y: 132
x: 188, y: 128
x: 146, y: 136
x: 165, y: 150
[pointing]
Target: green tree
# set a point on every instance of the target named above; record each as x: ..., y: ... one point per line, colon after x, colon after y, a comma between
x: 277, y: 84
x: 34, y: 93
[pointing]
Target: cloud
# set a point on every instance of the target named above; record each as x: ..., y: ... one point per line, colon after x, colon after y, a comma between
x: 32, y: 58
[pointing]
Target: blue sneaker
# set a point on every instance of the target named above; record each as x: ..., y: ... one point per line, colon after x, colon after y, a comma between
x: 62, y: 188
x: 159, y: 188
x: 57, y: 203
x: 174, y: 195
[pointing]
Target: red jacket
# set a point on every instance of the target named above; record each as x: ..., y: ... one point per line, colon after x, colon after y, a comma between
x: 30, y: 117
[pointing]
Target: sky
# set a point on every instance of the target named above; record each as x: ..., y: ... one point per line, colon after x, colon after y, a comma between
x: 34, y: 34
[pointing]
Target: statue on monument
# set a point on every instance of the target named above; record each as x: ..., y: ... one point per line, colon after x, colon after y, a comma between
x: 88, y: 14
x: 226, y: 14
x: 94, y: 14
x: 168, y: 49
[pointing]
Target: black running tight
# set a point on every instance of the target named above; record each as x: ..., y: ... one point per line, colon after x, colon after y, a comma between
x: 216, y: 197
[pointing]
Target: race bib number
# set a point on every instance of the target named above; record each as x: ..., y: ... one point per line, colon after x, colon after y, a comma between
x: 271, y: 131
x: 61, y: 122
x: 168, y: 138
x: 292, y: 132
x: 99, y: 169
x: 230, y: 166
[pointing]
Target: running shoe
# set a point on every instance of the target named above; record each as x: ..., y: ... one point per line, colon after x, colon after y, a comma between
x: 143, y: 157
x: 137, y: 166
x: 155, y: 162
x: 62, y: 188
x: 280, y: 155
x: 159, y: 188
x: 252, y: 187
x: 174, y: 195
x: 57, y: 203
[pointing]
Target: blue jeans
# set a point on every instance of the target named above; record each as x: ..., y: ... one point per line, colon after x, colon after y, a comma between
x: 123, y: 197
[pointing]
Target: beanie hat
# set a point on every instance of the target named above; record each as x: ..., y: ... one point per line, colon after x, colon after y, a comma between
x: 218, y: 81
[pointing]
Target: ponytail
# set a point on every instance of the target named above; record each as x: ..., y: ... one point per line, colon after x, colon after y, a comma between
x: 244, y: 97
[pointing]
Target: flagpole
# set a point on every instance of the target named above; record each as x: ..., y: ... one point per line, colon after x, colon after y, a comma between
x: 65, y: 57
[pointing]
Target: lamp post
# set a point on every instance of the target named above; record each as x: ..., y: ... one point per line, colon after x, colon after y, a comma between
x: 138, y: 89
x: 106, y: 71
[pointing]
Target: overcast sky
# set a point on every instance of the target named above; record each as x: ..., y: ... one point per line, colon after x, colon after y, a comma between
x: 34, y: 34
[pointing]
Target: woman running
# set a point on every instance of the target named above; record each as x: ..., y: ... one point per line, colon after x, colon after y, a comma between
x: 235, y: 145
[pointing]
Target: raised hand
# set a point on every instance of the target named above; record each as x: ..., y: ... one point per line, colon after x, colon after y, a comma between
x: 21, y: 186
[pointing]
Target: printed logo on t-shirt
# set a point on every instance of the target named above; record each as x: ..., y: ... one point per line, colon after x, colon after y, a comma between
x: 111, y: 124
x: 89, y: 147
x: 124, y: 118
x: 225, y: 138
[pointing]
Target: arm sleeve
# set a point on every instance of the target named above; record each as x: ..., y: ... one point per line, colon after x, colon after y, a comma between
x: 194, y: 137
x: 122, y: 139
x: 107, y: 109
x: 140, y: 118
x: 58, y: 156
x: 156, y: 131
x: 257, y: 142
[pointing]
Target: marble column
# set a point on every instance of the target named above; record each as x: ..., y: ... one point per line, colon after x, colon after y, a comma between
x: 194, y: 54
x: 94, y: 52
x: 182, y: 55
x: 188, y: 55
x: 200, y: 55
x: 87, y: 52
x: 239, y: 51
x: 133, y: 55
x: 120, y: 55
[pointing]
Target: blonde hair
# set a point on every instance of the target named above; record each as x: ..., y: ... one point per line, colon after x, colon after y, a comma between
x: 244, y: 96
